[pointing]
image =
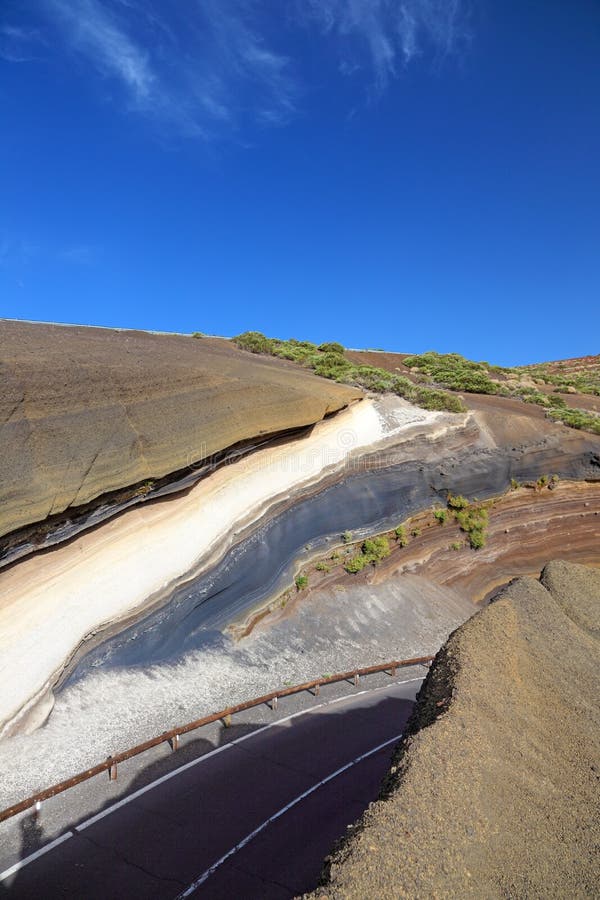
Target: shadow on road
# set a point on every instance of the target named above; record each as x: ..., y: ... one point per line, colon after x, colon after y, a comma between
x: 154, y: 847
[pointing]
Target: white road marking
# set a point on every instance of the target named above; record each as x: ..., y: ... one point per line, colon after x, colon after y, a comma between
x: 196, y: 884
x: 24, y: 862
x: 110, y: 809
x: 244, y: 737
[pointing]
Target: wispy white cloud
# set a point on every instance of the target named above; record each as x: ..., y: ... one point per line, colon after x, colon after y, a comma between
x: 208, y: 67
x: 79, y: 254
x: 385, y: 35
x: 16, y: 253
x: 18, y: 45
x: 205, y: 67
x: 93, y: 31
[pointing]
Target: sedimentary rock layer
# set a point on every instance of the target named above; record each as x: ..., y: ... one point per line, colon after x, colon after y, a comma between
x: 495, y: 790
x: 52, y: 602
x: 525, y: 526
x: 85, y: 411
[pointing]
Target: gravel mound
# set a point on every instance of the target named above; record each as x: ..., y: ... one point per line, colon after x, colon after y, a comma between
x: 495, y: 791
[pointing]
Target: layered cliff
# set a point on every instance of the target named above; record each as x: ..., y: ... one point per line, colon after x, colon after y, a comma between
x: 86, y: 411
x: 494, y: 792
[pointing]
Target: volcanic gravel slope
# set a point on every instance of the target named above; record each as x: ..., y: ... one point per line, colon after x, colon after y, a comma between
x: 495, y: 791
x: 85, y: 411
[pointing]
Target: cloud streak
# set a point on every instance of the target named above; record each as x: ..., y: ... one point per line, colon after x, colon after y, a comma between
x: 386, y: 34
x: 96, y: 34
x: 18, y: 45
x: 211, y: 67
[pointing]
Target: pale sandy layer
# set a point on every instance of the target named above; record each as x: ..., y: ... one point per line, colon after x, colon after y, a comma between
x: 51, y: 602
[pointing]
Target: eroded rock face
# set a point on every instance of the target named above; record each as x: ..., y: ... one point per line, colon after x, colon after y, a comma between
x: 85, y: 411
x: 495, y: 791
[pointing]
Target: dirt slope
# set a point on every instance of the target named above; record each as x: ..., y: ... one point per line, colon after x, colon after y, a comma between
x: 84, y: 411
x: 495, y: 792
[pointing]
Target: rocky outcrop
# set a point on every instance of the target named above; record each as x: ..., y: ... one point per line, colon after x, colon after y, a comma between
x: 86, y: 411
x: 495, y: 791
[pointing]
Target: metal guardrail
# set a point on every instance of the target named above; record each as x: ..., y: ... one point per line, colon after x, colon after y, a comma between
x: 172, y: 737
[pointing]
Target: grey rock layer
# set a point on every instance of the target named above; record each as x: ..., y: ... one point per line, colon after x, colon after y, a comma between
x: 85, y: 411
x: 495, y: 791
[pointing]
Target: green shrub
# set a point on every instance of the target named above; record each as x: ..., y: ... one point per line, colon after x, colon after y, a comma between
x: 440, y: 515
x: 401, y: 537
x: 577, y: 418
x: 356, y: 564
x: 301, y: 582
x: 333, y: 366
x: 477, y: 539
x: 457, y: 501
x: 327, y: 361
x: 375, y: 549
x: 322, y: 567
x: 198, y: 334
x: 416, y: 532
x: 453, y: 371
x: 455, y: 545
x: 557, y: 402
x: 254, y: 341
x: 474, y: 520
x: 331, y: 347
x: 347, y: 537
x: 514, y: 484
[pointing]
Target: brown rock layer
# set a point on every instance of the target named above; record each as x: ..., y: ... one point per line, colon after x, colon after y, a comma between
x: 85, y: 411
x: 495, y: 791
x: 526, y: 526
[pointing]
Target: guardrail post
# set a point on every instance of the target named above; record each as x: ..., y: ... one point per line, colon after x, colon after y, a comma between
x: 109, y: 764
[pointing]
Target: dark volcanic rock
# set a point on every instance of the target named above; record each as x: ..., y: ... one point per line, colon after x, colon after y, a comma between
x: 84, y: 411
x: 495, y: 791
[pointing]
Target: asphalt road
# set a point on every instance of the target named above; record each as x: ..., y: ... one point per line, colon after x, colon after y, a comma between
x: 251, y: 819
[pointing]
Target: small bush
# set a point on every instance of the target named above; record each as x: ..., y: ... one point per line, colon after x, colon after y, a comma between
x: 440, y: 515
x: 301, y: 582
x: 254, y: 341
x: 454, y: 371
x: 477, y: 539
x: 322, y: 567
x: 577, y: 418
x: 376, y: 549
x: 356, y: 564
x: 474, y: 521
x: 331, y: 347
x: 455, y: 545
x: 347, y: 537
x: 514, y: 484
x: 457, y: 501
x: 198, y: 334
x: 401, y: 537
x: 416, y: 532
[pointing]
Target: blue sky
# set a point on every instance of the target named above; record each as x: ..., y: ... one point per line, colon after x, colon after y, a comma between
x: 404, y: 174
